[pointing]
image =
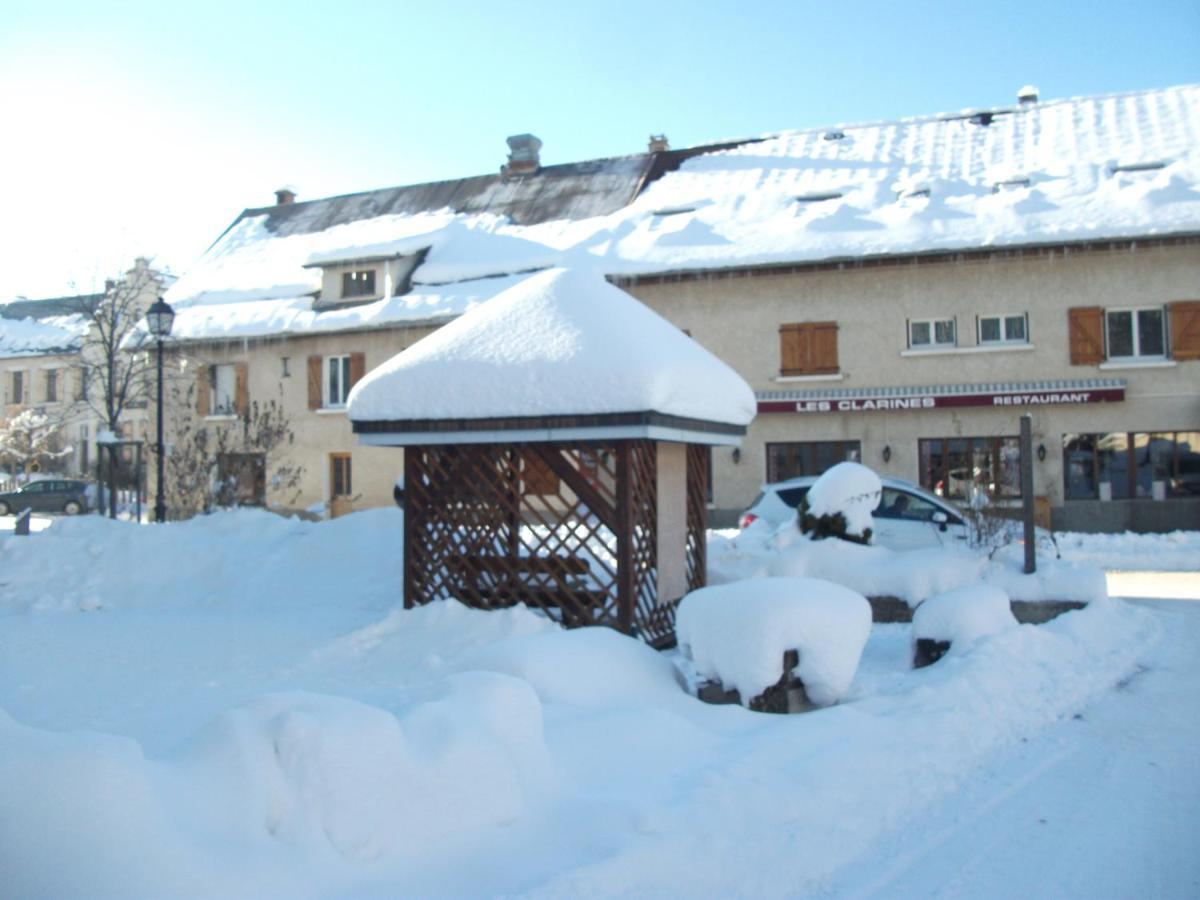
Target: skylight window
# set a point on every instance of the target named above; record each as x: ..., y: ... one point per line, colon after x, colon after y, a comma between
x: 1150, y: 165
x: 1011, y: 184
x: 913, y: 189
x: 982, y: 118
x: 819, y: 198
x: 835, y: 135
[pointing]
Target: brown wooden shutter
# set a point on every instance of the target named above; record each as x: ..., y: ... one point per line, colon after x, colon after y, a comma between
x: 241, y: 389
x: 808, y: 348
x: 202, y: 381
x: 824, y: 355
x: 1086, y: 327
x: 314, y: 382
x: 793, y: 349
x: 1185, y: 329
x: 358, y: 366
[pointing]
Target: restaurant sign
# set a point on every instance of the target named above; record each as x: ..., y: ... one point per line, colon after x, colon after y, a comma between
x: 910, y: 402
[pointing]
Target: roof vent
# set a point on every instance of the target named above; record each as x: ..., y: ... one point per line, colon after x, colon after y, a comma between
x: 523, y: 156
x: 1150, y: 165
x: 913, y: 189
x: 818, y: 198
x: 835, y: 135
x: 1028, y: 95
x: 658, y: 144
x: 285, y: 196
x: 1018, y: 181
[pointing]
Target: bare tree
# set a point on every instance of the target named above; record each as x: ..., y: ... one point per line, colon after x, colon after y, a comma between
x: 116, y: 352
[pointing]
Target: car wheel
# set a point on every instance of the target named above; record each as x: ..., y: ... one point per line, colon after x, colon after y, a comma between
x: 4, y: 509
x: 72, y: 508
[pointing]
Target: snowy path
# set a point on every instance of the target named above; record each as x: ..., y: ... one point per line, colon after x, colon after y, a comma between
x: 1106, y: 804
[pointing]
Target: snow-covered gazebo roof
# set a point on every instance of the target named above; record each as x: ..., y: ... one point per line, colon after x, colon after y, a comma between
x: 563, y: 355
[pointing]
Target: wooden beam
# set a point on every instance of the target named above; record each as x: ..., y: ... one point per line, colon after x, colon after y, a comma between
x: 579, y: 485
x: 624, y: 532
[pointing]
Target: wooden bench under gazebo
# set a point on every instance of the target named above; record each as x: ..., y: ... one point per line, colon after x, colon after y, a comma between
x: 557, y: 445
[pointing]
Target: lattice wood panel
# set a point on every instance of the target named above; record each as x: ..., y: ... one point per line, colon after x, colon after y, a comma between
x: 566, y: 528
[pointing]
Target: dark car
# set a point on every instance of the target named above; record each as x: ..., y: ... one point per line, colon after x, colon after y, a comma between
x: 50, y: 495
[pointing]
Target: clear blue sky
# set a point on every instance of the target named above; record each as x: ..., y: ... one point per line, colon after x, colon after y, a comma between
x: 145, y: 128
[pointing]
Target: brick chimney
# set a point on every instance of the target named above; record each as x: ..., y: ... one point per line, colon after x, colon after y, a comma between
x: 284, y: 196
x: 523, y: 156
x: 658, y: 144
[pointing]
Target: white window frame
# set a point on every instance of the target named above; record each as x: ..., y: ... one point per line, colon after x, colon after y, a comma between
x: 222, y: 385
x: 1135, y: 333
x: 335, y: 381
x: 933, y: 344
x: 1004, y: 335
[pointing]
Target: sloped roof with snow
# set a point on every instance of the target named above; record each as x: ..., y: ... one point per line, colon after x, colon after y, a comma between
x: 44, y: 327
x: 1120, y: 166
x: 559, y: 343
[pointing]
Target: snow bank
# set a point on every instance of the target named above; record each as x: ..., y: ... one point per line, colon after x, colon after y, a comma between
x: 848, y: 488
x: 737, y: 634
x: 963, y: 615
x: 1178, y: 551
x: 228, y: 558
x: 910, y: 575
x: 325, y: 777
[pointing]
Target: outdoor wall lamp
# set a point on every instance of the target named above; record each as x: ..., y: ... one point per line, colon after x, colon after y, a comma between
x: 1041, y: 452
x: 887, y: 452
x: 737, y: 455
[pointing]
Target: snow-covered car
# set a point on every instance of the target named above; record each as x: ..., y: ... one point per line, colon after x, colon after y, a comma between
x: 907, y: 517
x: 49, y: 495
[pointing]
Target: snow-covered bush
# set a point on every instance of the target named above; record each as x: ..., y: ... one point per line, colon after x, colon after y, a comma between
x: 840, y: 504
x: 738, y: 633
x: 959, y: 617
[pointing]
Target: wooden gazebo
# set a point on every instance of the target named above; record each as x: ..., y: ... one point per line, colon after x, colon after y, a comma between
x: 556, y: 454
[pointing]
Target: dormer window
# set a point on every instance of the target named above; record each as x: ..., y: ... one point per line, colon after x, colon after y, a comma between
x: 358, y: 283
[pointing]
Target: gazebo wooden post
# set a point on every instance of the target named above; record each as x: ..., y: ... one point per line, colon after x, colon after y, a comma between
x: 411, y: 485
x: 624, y: 534
x: 513, y: 457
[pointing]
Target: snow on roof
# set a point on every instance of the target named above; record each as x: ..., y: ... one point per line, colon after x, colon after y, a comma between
x: 1092, y: 168
x: 34, y: 337
x: 561, y: 342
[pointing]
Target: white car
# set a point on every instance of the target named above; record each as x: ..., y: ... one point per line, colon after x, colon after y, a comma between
x: 908, y: 517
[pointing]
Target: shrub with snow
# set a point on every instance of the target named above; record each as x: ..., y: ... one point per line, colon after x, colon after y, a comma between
x: 738, y: 633
x: 958, y: 617
x: 840, y: 504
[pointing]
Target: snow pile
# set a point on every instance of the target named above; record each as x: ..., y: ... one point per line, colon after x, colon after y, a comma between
x: 737, y: 634
x: 963, y: 615
x: 545, y: 347
x: 319, y: 740
x: 911, y: 575
x: 315, y: 776
x: 848, y: 489
x: 231, y: 559
x: 1178, y: 551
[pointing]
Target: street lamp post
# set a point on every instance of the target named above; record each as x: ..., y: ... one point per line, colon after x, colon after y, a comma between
x: 159, y: 318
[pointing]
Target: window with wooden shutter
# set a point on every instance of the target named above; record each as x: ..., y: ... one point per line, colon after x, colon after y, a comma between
x: 808, y: 348
x: 314, y: 382
x: 203, y: 388
x: 358, y: 366
x: 241, y: 391
x: 1086, y: 327
x: 1185, y: 329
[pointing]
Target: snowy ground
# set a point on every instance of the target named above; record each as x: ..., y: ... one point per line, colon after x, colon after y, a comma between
x: 235, y: 706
